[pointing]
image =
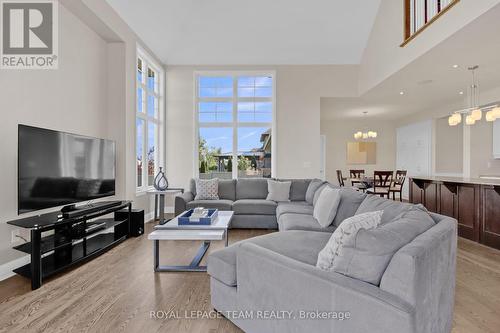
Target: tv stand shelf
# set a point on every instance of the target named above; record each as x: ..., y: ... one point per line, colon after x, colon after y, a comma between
x: 48, y: 243
x: 72, y: 240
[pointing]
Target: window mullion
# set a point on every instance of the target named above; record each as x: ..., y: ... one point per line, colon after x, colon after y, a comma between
x: 235, y: 127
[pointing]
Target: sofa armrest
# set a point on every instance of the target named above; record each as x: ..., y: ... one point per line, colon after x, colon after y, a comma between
x: 181, y: 202
x: 270, y: 281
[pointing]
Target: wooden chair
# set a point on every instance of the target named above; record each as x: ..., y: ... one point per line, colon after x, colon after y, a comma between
x: 382, y: 181
x: 340, y: 178
x: 397, y: 184
x: 356, y: 176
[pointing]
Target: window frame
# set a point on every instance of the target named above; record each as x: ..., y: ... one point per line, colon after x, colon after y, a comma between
x: 157, y: 119
x: 235, y: 124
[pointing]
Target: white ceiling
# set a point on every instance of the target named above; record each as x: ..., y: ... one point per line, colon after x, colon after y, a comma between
x: 237, y: 32
x: 430, y: 82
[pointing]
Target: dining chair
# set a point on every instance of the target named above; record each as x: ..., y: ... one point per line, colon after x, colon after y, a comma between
x: 340, y: 178
x: 397, y: 184
x: 356, y: 177
x: 382, y: 181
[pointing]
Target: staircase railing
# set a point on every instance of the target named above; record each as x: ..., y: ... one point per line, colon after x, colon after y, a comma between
x: 419, y: 14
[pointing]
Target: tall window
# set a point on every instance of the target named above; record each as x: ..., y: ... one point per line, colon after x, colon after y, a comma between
x: 235, y: 114
x: 149, y: 120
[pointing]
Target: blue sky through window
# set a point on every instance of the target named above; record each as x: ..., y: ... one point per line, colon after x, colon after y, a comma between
x: 222, y: 137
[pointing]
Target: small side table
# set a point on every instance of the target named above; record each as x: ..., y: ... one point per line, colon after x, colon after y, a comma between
x: 160, y: 202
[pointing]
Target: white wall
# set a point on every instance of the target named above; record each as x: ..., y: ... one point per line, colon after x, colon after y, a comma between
x: 340, y: 131
x: 383, y: 56
x: 72, y: 98
x: 92, y: 93
x: 298, y: 93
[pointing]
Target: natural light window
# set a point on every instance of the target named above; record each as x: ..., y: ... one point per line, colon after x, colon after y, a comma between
x: 149, y: 120
x: 235, y: 114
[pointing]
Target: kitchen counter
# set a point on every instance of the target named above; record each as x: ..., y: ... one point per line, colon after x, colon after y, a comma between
x: 473, y: 202
x: 461, y: 180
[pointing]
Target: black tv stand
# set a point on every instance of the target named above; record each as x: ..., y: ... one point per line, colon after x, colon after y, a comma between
x: 72, y: 240
x: 74, y: 211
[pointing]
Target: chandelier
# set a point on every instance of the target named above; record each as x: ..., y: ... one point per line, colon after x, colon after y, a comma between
x: 359, y: 135
x: 475, y: 111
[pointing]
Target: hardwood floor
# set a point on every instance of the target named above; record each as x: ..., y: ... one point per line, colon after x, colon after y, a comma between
x: 116, y: 292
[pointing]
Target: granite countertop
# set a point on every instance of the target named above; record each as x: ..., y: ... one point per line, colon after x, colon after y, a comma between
x: 479, y: 181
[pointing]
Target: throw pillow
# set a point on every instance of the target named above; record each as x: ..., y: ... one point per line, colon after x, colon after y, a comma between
x: 326, y: 207
x: 207, y: 189
x: 349, y: 203
x: 346, y: 234
x: 312, y: 188
x: 366, y: 256
x: 318, y: 192
x: 278, y: 191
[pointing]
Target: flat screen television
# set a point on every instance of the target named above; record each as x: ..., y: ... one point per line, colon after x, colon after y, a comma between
x: 57, y: 168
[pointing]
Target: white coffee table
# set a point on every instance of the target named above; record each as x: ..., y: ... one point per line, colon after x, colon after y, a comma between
x: 206, y: 233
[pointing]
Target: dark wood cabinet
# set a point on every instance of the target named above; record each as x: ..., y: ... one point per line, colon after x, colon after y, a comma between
x: 475, y: 206
x: 468, y: 211
x: 430, y: 191
x: 490, y: 222
x: 448, y: 202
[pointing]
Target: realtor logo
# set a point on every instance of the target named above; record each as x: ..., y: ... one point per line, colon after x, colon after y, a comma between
x: 29, y: 34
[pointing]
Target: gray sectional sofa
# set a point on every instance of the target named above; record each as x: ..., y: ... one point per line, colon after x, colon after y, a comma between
x: 271, y: 283
x: 247, y: 198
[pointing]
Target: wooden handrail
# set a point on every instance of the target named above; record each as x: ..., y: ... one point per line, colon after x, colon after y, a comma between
x: 420, y: 14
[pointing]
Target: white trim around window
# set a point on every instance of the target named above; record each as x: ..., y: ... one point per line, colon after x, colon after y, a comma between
x: 234, y: 123
x: 149, y: 116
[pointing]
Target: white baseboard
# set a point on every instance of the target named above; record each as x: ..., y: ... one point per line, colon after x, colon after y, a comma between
x: 6, y: 269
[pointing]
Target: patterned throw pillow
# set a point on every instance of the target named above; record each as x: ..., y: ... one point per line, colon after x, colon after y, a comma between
x: 344, y: 235
x: 207, y: 189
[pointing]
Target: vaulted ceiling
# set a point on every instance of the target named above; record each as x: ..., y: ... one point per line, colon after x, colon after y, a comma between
x: 236, y: 32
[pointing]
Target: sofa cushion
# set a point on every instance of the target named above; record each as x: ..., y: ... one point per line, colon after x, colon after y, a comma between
x: 318, y: 192
x: 207, y: 189
x: 311, y: 190
x: 254, y: 207
x: 391, y: 208
x: 278, y: 191
x: 349, y: 204
x: 303, y: 246
x: 298, y: 189
x: 345, y: 235
x: 326, y: 207
x: 366, y: 257
x: 301, y: 222
x: 251, y: 188
x: 216, y: 204
x: 227, y: 188
x: 297, y: 207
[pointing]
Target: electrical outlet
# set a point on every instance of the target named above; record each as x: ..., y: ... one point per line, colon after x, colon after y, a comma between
x: 14, y: 236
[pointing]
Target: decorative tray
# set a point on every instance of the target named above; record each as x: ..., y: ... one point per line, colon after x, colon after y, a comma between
x: 185, y: 218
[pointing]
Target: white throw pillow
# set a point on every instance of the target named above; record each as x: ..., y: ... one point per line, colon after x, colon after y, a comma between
x: 278, y: 191
x: 207, y: 189
x: 325, y: 208
x: 345, y: 234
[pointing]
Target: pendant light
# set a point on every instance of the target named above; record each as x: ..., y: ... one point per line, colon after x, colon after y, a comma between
x: 475, y: 112
x: 365, y: 135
